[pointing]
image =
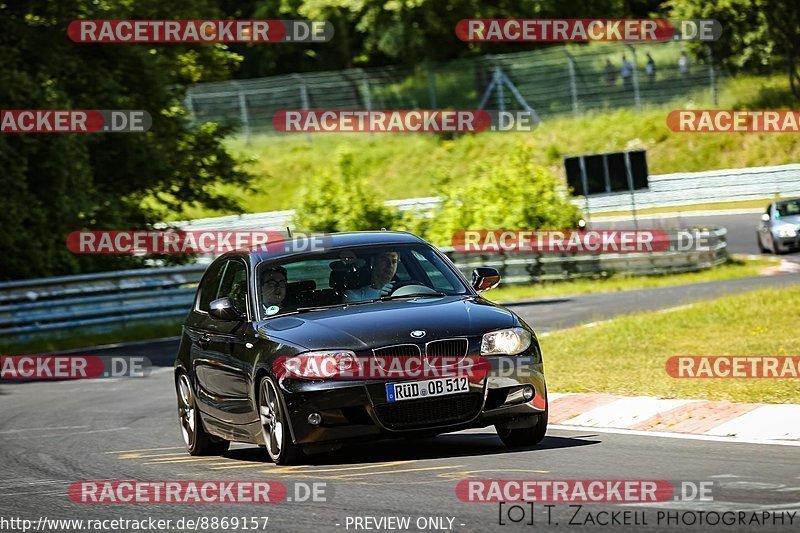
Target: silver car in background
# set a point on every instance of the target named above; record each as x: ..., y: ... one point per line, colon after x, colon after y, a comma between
x: 779, y: 230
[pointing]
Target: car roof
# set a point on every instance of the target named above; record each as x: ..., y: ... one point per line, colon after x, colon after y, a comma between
x: 332, y: 241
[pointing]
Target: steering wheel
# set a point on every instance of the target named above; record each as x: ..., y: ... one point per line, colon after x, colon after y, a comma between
x: 421, y: 288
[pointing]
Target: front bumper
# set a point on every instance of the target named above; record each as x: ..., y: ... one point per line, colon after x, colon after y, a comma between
x: 359, y: 409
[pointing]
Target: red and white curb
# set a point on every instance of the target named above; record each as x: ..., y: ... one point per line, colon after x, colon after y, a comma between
x: 750, y: 422
x: 785, y: 267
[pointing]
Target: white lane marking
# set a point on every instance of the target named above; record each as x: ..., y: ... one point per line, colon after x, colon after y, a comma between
x: 51, y: 428
x: 685, y: 436
x: 773, y: 422
x: 625, y: 412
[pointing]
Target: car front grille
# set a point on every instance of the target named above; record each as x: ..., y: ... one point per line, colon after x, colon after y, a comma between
x: 414, y: 414
x: 447, y: 348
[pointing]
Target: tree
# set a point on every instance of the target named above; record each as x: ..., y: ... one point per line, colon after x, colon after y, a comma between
x: 57, y: 183
x: 757, y: 35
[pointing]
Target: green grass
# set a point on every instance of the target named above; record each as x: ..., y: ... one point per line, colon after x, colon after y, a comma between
x: 409, y: 165
x: 627, y: 355
x: 135, y: 331
x: 734, y: 268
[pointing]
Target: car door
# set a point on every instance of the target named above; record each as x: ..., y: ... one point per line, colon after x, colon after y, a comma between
x: 219, y: 368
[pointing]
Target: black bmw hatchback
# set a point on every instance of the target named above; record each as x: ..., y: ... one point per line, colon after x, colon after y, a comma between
x: 377, y: 335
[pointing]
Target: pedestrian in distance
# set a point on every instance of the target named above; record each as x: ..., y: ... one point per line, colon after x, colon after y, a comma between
x: 626, y: 72
x: 683, y: 65
x: 650, y: 68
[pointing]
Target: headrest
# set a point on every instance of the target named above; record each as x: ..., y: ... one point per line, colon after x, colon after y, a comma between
x: 301, y: 286
x: 349, y: 275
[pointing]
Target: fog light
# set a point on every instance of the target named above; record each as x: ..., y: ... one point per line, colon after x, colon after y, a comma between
x: 315, y: 419
x: 528, y: 393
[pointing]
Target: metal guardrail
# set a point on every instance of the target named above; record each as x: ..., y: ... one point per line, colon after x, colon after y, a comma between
x: 665, y: 190
x: 95, y: 302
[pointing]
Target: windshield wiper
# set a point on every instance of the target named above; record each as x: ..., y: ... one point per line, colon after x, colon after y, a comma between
x: 331, y: 306
x: 413, y: 295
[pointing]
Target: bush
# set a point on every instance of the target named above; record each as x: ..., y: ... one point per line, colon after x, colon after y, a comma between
x: 342, y: 201
x: 509, y: 193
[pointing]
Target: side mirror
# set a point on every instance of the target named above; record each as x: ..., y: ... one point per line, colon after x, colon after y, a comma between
x: 224, y: 309
x: 485, y: 278
x: 765, y: 217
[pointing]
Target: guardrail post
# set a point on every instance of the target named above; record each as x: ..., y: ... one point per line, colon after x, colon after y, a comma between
x: 636, y: 98
x: 366, y: 94
x: 573, y: 88
x: 190, y: 106
x: 244, y: 117
x: 712, y: 78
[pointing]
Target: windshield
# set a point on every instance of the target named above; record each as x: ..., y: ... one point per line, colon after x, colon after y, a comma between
x: 353, y: 276
x: 788, y: 209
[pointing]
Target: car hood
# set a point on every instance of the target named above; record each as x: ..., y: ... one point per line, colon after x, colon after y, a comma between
x: 371, y: 325
x: 793, y: 220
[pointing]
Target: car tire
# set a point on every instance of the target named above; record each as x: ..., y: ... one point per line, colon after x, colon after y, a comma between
x: 530, y: 436
x: 761, y: 247
x: 776, y: 248
x: 274, y: 424
x: 197, y: 440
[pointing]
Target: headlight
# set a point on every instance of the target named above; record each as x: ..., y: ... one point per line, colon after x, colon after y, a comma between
x: 506, y: 342
x: 786, y: 231
x: 325, y: 364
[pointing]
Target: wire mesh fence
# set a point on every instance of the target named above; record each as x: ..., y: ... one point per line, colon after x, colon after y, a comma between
x: 568, y: 79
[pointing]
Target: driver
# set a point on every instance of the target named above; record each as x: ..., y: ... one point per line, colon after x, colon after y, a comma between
x: 384, y: 267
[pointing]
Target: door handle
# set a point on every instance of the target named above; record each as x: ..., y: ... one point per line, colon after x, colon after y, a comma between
x: 204, y: 341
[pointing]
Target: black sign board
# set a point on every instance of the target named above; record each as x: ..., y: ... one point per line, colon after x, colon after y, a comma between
x: 606, y: 173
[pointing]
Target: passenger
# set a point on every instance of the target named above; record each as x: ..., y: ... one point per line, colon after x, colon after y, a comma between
x: 384, y: 267
x: 273, y: 290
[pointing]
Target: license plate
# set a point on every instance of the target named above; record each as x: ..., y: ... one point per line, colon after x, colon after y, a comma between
x: 397, y: 392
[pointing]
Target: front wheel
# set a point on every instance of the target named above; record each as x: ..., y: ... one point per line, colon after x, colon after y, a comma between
x: 198, y: 441
x: 274, y: 425
x: 761, y: 247
x: 529, y: 436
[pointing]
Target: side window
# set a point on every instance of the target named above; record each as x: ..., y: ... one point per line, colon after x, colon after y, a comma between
x: 234, y: 284
x: 440, y: 282
x: 227, y: 278
x: 210, y: 285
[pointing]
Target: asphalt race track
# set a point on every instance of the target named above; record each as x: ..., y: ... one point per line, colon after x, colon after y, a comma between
x: 741, y: 228
x: 55, y: 433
